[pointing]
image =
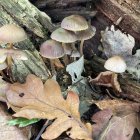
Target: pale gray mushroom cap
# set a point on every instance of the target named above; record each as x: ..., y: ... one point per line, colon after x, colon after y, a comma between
x: 74, y: 23
x: 75, y: 53
x: 51, y: 49
x: 11, y: 33
x: 86, y: 34
x: 115, y: 64
x: 64, y: 36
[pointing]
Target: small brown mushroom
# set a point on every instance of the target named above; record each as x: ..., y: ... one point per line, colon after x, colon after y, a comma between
x: 74, y: 23
x: 53, y: 50
x: 64, y: 36
x: 115, y: 64
x: 11, y: 33
x: 85, y: 35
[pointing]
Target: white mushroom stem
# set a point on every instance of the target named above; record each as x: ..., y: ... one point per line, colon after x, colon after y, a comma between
x: 81, y: 47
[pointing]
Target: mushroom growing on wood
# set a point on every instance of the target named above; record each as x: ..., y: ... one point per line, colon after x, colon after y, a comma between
x: 85, y: 35
x: 11, y: 33
x: 53, y: 50
x: 74, y: 23
x: 115, y: 64
x: 64, y: 36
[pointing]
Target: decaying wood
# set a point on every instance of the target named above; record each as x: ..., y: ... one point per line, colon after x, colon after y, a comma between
x: 130, y: 88
x: 129, y: 11
x: 60, y: 14
x: 37, y: 23
x: 58, y: 3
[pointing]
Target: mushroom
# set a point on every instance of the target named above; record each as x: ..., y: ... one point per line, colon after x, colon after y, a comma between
x: 115, y: 64
x: 64, y: 36
x: 85, y: 35
x: 5, y: 54
x: 53, y: 50
x: 74, y: 23
x: 11, y: 33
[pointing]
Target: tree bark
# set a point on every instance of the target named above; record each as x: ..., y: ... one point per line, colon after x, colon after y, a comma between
x: 130, y: 88
x: 129, y: 11
x: 37, y: 24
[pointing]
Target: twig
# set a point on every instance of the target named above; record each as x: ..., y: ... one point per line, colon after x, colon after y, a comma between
x: 42, y: 130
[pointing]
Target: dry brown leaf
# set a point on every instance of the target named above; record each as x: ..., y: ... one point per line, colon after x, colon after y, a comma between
x: 121, y: 126
x: 3, y: 89
x: 108, y: 79
x: 11, y: 132
x: 46, y: 102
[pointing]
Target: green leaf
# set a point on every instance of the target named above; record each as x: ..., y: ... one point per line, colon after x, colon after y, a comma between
x: 22, y: 122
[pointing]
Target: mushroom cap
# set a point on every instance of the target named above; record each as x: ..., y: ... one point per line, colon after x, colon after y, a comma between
x: 74, y: 23
x: 11, y: 33
x: 62, y: 35
x: 75, y: 53
x: 86, y: 34
x: 51, y: 49
x: 3, y: 55
x: 115, y: 64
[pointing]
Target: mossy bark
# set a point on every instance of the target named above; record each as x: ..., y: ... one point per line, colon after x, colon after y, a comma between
x: 37, y: 24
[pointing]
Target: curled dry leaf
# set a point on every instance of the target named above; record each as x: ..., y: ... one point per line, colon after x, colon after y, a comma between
x: 36, y: 100
x: 121, y: 126
x: 108, y: 79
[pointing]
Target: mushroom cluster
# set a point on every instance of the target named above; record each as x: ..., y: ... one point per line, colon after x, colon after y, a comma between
x: 10, y: 34
x: 62, y: 43
x: 76, y: 28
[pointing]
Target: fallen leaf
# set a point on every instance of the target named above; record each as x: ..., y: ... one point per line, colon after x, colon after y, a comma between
x: 116, y: 43
x: 108, y: 79
x: 11, y: 132
x: 121, y: 126
x: 46, y: 102
x: 75, y: 69
x: 3, y: 89
x: 101, y: 120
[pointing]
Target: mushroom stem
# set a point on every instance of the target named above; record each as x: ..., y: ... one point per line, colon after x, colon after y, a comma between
x: 10, y: 46
x: 52, y: 67
x: 73, y: 46
x: 81, y: 47
x: 65, y: 58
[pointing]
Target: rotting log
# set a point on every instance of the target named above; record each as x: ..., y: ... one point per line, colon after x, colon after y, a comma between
x: 129, y: 11
x: 37, y: 24
x: 130, y: 88
x: 88, y: 14
x: 58, y: 3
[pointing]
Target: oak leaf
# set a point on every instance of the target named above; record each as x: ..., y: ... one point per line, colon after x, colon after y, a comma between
x: 36, y: 100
